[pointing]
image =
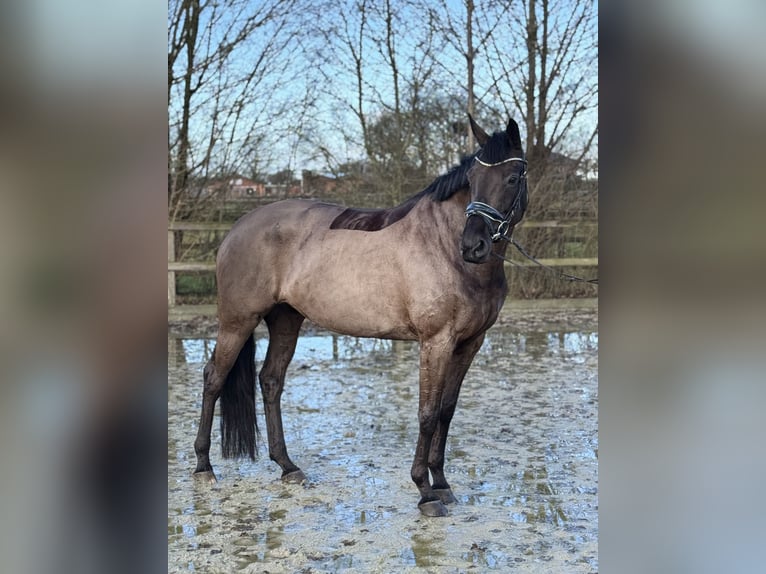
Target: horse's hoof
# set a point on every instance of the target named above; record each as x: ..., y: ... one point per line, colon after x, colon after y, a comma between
x: 445, y: 495
x: 205, y: 476
x: 433, y: 508
x: 294, y: 477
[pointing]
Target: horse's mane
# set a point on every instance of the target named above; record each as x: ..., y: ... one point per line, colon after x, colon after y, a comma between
x: 440, y: 189
x: 497, y: 148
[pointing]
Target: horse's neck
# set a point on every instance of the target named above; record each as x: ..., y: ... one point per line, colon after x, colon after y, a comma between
x: 446, y: 218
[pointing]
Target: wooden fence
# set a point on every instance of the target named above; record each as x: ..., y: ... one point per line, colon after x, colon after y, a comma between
x: 175, y: 267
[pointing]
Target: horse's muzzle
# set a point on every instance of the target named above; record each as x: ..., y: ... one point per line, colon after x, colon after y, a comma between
x: 476, y: 241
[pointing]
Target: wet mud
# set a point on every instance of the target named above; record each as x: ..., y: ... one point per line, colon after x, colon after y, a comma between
x: 522, y: 460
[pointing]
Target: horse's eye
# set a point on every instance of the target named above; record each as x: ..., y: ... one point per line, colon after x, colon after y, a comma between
x: 513, y: 179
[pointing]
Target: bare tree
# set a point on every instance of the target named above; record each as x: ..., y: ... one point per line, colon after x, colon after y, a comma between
x: 226, y: 62
x: 534, y: 60
x: 467, y: 30
x: 384, y: 83
x: 388, y: 75
x: 552, y: 74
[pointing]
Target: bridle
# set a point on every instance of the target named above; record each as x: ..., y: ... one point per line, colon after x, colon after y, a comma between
x: 492, y: 215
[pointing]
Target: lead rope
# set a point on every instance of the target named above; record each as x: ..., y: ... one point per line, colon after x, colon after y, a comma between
x: 521, y: 250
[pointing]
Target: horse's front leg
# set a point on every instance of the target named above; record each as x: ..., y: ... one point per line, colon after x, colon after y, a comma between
x: 458, y: 366
x: 434, y: 357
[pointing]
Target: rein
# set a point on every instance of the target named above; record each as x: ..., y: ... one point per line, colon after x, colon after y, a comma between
x: 561, y: 274
x: 490, y: 214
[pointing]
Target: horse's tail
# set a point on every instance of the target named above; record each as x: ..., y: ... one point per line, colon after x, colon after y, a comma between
x: 238, y: 423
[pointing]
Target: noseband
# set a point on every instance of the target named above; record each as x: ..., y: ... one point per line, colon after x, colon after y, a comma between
x: 492, y: 215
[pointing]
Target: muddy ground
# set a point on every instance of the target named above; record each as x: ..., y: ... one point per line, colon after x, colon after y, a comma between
x: 522, y: 459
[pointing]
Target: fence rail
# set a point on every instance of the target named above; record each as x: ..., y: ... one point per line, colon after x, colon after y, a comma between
x: 175, y: 267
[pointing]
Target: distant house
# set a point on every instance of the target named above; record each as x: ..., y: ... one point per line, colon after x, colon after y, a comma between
x: 561, y: 165
x: 329, y: 184
x: 235, y: 187
x: 243, y: 188
x: 317, y: 184
x: 558, y: 169
x: 239, y: 188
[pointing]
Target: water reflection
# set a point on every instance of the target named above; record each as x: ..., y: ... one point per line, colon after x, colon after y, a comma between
x: 329, y: 347
x: 426, y: 550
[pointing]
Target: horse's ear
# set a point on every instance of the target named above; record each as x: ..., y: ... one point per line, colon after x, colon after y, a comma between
x: 480, y: 135
x: 512, y: 129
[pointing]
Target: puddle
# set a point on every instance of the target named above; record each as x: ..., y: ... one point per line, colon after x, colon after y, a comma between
x: 339, y: 349
x: 521, y: 458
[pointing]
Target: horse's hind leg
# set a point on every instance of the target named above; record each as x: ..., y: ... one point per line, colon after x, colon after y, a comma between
x: 228, y: 346
x: 284, y: 323
x: 460, y: 362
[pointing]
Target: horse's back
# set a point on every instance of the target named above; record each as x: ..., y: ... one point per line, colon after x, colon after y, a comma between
x: 281, y: 225
x: 285, y: 215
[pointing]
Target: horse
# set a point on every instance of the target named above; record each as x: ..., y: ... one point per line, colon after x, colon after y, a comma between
x: 430, y: 270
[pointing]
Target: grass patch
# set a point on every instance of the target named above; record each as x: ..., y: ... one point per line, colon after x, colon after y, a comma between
x: 198, y: 284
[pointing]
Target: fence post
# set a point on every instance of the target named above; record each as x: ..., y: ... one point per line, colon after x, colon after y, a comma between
x: 171, y: 274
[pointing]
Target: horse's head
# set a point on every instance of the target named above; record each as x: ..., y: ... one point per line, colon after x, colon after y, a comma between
x: 498, y: 185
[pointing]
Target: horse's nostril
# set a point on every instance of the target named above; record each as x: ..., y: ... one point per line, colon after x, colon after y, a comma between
x: 480, y: 249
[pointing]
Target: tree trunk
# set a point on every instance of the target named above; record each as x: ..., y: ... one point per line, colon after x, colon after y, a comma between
x: 469, y: 55
x: 191, y: 29
x: 542, y: 107
x: 531, y: 79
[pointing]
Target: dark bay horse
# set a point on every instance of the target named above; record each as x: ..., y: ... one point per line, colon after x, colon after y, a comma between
x: 426, y: 270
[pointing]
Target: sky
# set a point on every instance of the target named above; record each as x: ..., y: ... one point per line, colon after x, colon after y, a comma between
x: 308, y: 95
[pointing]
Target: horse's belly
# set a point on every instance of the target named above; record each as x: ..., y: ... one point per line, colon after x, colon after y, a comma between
x: 351, y: 303
x: 365, y: 329
x: 368, y: 321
